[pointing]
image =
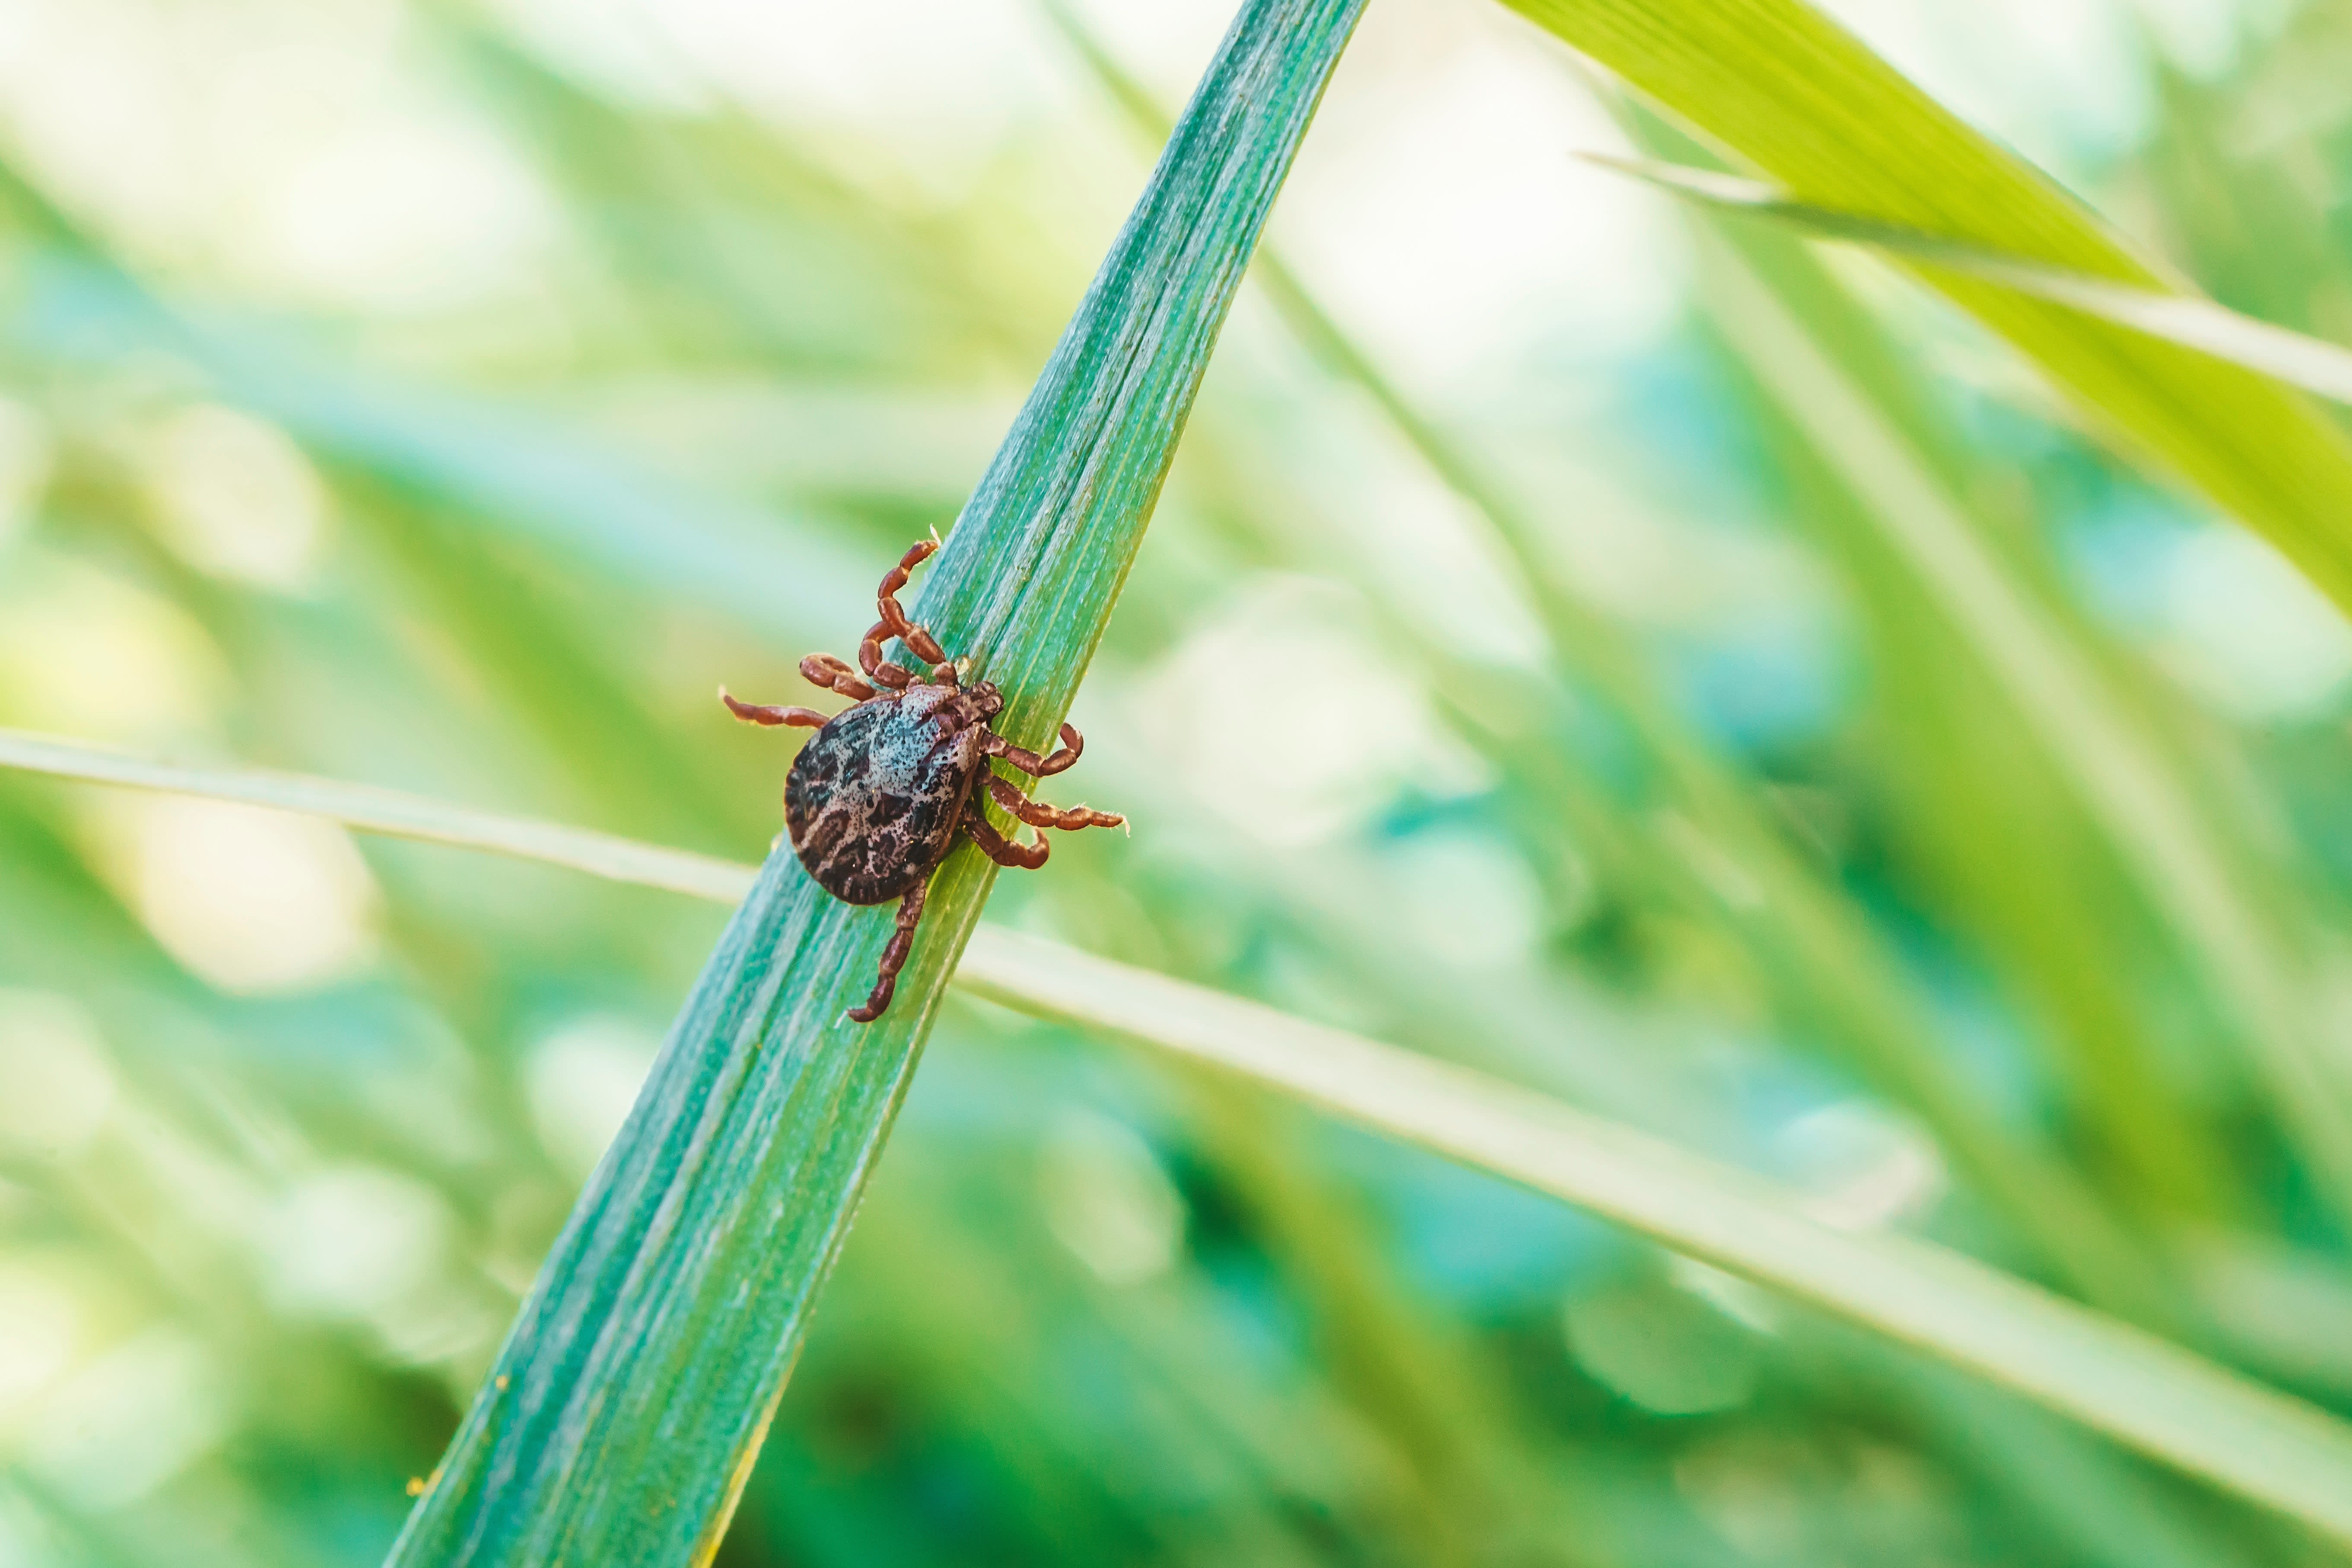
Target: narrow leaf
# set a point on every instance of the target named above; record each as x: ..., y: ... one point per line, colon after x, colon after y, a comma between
x: 391, y: 813
x: 2140, y: 1390
x: 1789, y: 92
x: 2309, y: 362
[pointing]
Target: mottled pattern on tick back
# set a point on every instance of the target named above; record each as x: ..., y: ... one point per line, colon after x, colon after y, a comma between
x: 877, y: 795
x: 874, y: 797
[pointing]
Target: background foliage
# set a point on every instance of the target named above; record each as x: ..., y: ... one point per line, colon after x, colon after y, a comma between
x: 1519, y: 670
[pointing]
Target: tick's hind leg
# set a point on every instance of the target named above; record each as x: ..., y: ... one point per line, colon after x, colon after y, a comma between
x: 894, y: 957
x: 757, y: 713
x: 996, y: 846
x: 1037, y: 814
x: 1074, y: 746
x: 894, y: 623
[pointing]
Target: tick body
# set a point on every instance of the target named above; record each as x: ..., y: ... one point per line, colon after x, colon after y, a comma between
x: 875, y: 798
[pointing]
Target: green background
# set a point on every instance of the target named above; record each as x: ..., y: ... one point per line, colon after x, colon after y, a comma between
x: 1522, y: 668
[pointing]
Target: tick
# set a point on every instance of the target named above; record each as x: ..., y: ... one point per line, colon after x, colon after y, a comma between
x: 875, y: 798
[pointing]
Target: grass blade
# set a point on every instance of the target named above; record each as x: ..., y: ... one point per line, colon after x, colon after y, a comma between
x: 2134, y: 1387
x: 391, y: 813
x: 2138, y: 1388
x: 1790, y: 93
x: 623, y: 1414
x: 2309, y: 362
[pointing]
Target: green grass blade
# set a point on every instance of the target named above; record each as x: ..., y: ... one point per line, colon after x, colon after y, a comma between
x: 623, y: 1414
x: 2296, y: 358
x: 2135, y: 1387
x: 1790, y: 93
x: 2138, y: 1389
x: 391, y: 813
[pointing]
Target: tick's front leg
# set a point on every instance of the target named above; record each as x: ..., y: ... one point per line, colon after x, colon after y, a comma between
x: 755, y: 713
x: 894, y: 623
x: 880, y: 670
x: 823, y: 669
x: 886, y: 603
x: 894, y: 957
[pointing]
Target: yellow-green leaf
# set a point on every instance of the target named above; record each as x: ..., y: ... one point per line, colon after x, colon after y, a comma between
x: 2276, y: 351
x: 1785, y: 90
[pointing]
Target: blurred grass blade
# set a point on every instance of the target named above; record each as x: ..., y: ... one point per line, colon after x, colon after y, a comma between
x: 2113, y: 1378
x: 1787, y: 90
x: 622, y: 1416
x: 79, y: 306
x: 2293, y: 357
x: 391, y: 813
x: 2149, y: 816
x: 2138, y: 1388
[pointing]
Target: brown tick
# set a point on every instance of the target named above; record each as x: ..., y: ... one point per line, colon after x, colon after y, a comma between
x: 876, y: 796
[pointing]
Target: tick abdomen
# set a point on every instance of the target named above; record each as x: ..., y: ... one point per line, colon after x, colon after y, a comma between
x: 874, y: 796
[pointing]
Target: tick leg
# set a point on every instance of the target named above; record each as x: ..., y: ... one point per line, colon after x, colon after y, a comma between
x: 996, y: 846
x: 823, y: 669
x: 894, y: 957
x: 754, y: 714
x: 1073, y: 745
x: 919, y: 642
x: 1037, y: 814
x: 877, y: 668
